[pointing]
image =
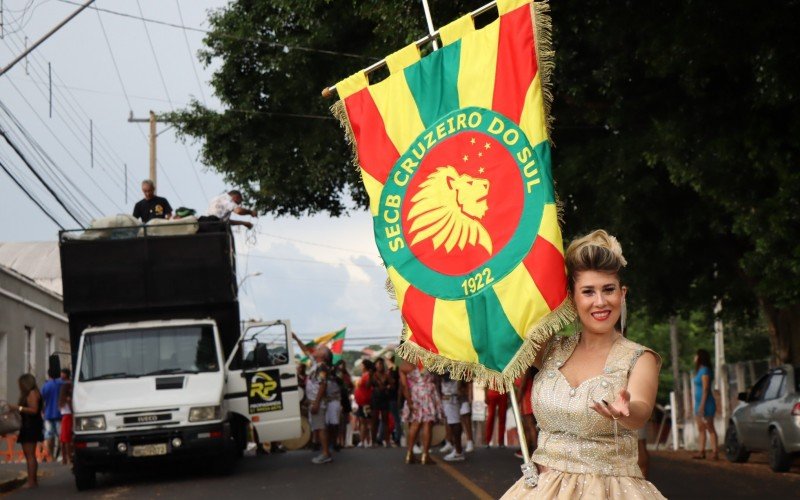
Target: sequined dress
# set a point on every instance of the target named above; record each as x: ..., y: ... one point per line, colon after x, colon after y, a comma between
x: 585, y: 455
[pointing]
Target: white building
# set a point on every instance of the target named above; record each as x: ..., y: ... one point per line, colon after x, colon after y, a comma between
x: 32, y: 321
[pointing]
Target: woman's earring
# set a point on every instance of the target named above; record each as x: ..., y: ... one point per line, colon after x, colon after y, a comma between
x: 623, y: 316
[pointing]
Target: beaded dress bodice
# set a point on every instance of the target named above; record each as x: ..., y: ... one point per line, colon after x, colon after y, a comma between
x: 573, y: 437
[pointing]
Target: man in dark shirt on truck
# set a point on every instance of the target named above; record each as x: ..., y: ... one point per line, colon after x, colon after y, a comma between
x: 151, y: 206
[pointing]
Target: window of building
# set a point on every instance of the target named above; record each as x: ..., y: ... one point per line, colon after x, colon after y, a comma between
x: 30, y: 350
x: 50, y: 341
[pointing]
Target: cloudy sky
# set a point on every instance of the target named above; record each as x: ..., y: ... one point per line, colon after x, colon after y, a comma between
x: 319, y: 272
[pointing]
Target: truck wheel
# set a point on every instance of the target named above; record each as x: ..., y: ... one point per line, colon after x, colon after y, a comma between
x: 779, y: 460
x: 85, y: 477
x: 239, y: 436
x: 734, y: 450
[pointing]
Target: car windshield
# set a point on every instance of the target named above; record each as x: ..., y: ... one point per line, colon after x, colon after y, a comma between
x: 149, y: 351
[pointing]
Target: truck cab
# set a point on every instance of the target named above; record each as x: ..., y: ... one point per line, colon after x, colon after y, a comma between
x: 164, y: 368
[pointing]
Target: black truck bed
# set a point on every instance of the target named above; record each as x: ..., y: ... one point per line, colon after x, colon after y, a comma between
x: 142, y: 278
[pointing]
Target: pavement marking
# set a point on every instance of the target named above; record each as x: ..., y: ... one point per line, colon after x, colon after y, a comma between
x: 463, y: 480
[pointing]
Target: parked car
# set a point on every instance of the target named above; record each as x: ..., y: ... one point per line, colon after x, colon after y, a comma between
x: 769, y: 420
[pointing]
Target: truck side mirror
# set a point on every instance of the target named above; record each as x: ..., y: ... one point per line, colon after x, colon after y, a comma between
x: 742, y: 396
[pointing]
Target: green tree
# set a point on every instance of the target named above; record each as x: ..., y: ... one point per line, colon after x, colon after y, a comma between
x: 674, y: 129
x: 678, y: 119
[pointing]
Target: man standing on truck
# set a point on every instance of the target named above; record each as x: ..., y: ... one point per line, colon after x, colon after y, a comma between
x: 316, y: 387
x: 151, y: 206
x: 223, y: 205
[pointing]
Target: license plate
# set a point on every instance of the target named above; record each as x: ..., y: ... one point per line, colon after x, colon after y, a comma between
x: 150, y: 450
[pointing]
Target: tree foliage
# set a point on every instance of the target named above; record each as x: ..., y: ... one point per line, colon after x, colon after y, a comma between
x: 675, y: 130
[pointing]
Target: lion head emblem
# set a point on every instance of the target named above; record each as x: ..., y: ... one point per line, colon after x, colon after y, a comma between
x: 447, y: 208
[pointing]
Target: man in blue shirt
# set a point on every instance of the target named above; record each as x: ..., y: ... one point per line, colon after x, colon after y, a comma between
x: 52, y: 413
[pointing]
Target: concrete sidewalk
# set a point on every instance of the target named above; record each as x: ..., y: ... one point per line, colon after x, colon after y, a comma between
x: 12, y: 476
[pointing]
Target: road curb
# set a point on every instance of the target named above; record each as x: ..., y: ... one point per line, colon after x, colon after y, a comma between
x: 12, y: 484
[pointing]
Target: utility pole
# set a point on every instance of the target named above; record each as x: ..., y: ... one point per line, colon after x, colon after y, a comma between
x: 152, y: 120
x: 153, y: 142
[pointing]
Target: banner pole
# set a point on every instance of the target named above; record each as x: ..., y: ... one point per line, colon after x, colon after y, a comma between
x: 328, y: 91
x: 523, y: 442
x: 429, y: 20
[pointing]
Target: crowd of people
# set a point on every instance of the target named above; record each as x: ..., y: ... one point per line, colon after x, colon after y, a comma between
x: 389, y: 394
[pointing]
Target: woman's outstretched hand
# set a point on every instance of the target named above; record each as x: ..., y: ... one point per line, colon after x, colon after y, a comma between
x: 618, y: 409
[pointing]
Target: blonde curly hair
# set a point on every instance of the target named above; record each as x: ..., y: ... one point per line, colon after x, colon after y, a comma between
x: 597, y: 251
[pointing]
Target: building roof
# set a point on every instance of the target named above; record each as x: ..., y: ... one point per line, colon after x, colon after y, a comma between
x: 38, y: 260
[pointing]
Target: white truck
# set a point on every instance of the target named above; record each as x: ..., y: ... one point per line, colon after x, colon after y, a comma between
x: 169, y: 376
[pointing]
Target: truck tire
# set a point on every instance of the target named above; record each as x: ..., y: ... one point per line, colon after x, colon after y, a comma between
x: 779, y: 460
x: 239, y: 436
x: 85, y: 477
x: 734, y: 450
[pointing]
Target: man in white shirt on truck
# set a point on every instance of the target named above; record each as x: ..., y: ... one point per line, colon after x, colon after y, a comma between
x: 223, y: 205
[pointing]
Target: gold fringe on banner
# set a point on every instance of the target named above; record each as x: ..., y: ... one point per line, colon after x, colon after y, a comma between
x: 534, y: 341
x: 339, y: 111
x: 545, y: 56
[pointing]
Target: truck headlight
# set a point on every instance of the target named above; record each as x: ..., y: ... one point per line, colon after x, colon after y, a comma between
x: 92, y: 423
x: 204, y: 413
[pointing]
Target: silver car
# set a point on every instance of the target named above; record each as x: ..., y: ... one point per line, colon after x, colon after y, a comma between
x: 769, y: 420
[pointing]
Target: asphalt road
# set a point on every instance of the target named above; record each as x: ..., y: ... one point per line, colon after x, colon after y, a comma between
x: 381, y: 473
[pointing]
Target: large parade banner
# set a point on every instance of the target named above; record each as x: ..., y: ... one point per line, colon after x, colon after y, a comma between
x: 454, y: 155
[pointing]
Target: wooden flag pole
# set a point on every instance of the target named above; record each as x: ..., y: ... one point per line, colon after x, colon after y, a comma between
x: 328, y: 91
x: 523, y: 442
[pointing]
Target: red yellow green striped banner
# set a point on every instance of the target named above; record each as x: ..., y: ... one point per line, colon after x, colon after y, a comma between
x: 454, y: 154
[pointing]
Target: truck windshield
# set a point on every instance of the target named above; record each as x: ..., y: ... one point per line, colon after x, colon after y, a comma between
x: 149, y: 351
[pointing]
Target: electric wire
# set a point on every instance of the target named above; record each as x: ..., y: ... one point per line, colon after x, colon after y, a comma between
x: 26, y: 142
x: 284, y: 46
x: 189, y: 50
x: 311, y: 261
x: 322, y: 245
x: 179, y: 103
x: 58, y: 139
x: 60, y: 142
x: 192, y: 165
x: 102, y: 152
x: 44, y: 211
x: 35, y: 173
x: 114, y: 60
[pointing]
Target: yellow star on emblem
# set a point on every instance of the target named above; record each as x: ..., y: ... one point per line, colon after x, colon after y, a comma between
x: 472, y: 141
x: 487, y: 146
x: 480, y: 154
x: 481, y: 170
x: 465, y: 158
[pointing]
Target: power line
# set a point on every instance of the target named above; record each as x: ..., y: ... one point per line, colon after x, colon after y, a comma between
x: 114, y: 60
x: 44, y: 211
x: 73, y: 125
x: 189, y: 49
x: 192, y: 164
x: 35, y: 173
x: 230, y: 37
x: 310, y: 261
x: 322, y: 245
x: 66, y: 101
x: 27, y: 142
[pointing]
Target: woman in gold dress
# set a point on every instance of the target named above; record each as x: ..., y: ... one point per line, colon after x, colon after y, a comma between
x: 593, y: 391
